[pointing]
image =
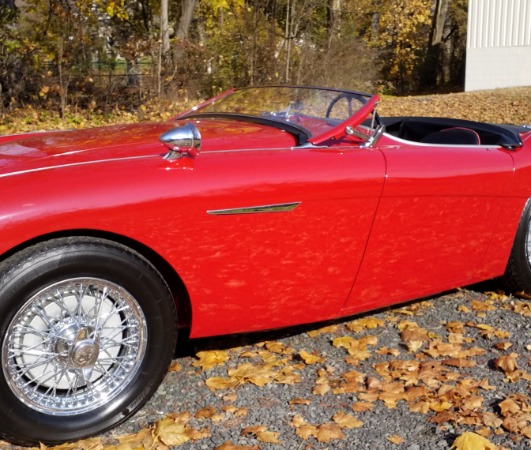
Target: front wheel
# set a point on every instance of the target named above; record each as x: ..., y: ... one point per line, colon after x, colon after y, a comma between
x: 517, y: 275
x: 87, y: 331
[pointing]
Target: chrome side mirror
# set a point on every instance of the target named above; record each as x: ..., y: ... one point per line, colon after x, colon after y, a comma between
x: 182, y: 141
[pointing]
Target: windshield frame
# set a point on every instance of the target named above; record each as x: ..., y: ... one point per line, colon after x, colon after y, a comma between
x: 336, y: 128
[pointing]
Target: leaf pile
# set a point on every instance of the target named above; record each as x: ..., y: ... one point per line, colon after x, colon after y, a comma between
x: 494, y: 106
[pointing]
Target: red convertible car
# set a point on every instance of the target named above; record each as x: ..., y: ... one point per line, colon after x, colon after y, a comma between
x: 260, y: 208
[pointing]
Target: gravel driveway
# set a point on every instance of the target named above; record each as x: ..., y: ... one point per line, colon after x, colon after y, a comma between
x: 410, y: 378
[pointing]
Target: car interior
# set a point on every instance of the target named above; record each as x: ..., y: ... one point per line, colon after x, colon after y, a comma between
x: 433, y: 130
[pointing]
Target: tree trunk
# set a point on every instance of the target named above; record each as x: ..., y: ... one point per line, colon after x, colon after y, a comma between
x: 183, y: 28
x: 375, y: 22
x: 333, y: 9
x: 164, y: 28
x: 439, y: 20
x: 433, y: 73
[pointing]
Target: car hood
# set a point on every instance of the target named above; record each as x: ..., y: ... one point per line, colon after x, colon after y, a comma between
x: 51, y: 149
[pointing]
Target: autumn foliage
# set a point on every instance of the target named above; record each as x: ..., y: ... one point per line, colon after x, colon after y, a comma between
x: 67, y: 55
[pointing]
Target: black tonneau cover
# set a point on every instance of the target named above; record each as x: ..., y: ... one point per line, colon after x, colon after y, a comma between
x: 415, y: 128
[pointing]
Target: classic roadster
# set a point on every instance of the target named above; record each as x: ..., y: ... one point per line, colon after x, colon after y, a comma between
x: 260, y: 208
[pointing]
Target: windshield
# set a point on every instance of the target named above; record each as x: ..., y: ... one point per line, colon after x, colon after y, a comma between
x: 315, y: 110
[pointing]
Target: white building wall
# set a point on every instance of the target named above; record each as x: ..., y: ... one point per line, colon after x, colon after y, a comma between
x: 498, y: 44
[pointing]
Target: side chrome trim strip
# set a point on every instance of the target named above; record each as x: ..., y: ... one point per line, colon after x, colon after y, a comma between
x: 280, y: 207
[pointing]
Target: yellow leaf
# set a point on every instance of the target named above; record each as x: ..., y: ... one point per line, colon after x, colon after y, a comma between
x: 230, y: 397
x: 175, y: 367
x: 270, y: 437
x: 440, y: 406
x: 321, y: 389
x: 306, y: 431
x: 241, y: 412
x: 231, y: 446
x: 205, y: 413
x: 366, y: 323
x: 278, y: 347
x: 259, y: 375
x: 230, y: 409
x: 329, y: 431
x: 170, y: 432
x: 136, y: 440
x: 395, y: 439
x: 362, y: 406
x: 472, y: 441
x: 346, y: 420
x: 217, y: 383
x: 197, y: 435
x: 209, y: 359
x: 310, y: 358
x: 315, y: 333
x: 503, y: 345
x: 300, y: 401
x: 218, y: 417
x: 253, y: 429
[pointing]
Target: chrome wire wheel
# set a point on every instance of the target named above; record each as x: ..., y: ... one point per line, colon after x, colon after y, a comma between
x: 74, y: 346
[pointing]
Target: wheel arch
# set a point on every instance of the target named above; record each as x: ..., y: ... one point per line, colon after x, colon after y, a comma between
x: 170, y: 275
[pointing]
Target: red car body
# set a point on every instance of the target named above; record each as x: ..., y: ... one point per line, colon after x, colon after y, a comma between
x: 375, y: 226
x: 368, y: 224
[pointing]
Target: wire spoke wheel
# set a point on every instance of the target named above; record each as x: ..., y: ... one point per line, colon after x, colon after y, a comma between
x: 74, y: 346
x: 87, y: 332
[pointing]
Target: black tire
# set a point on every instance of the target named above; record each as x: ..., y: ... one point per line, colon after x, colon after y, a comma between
x: 517, y: 277
x: 87, y: 332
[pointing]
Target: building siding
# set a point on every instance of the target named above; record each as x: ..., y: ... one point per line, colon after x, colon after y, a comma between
x: 498, y: 44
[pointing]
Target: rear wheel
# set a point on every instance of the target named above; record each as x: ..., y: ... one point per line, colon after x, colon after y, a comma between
x: 87, y: 330
x: 517, y: 275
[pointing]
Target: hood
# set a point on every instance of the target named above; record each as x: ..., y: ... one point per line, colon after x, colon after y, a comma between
x: 51, y: 149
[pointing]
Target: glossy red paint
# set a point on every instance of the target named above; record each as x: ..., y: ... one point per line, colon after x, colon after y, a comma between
x: 374, y: 226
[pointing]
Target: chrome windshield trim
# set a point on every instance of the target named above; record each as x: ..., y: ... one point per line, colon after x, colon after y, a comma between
x: 280, y: 207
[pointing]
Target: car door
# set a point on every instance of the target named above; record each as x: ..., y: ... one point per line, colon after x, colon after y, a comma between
x: 272, y: 237
x: 435, y: 222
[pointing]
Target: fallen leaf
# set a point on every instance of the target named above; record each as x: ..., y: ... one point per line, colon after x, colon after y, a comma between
x: 217, y: 383
x: 300, y: 401
x: 329, y: 329
x: 208, y: 359
x: 170, y: 432
x: 196, y: 435
x: 506, y: 363
x: 328, y: 432
x: 270, y: 437
x: 472, y: 441
x: 306, y: 431
x: 310, y: 358
x: 362, y: 406
x: 231, y: 446
x: 175, y: 367
x: 346, y: 420
x: 503, y: 345
x: 254, y: 429
x: 368, y: 323
x: 395, y: 439
x: 205, y: 413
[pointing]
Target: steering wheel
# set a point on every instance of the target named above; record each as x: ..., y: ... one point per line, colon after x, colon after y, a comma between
x: 334, y: 102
